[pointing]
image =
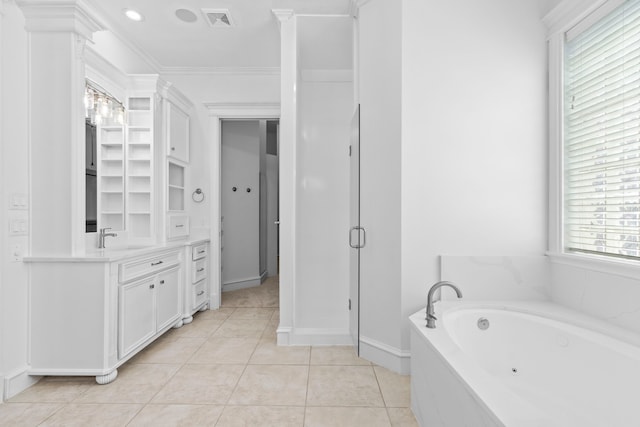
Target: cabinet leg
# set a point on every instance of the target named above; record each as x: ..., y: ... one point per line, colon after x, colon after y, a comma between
x: 187, y: 320
x: 107, y: 378
x: 204, y: 307
x: 178, y: 324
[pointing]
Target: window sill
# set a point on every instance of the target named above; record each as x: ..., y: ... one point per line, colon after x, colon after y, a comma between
x: 601, y: 264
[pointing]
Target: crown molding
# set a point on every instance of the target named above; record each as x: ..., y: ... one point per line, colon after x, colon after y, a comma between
x: 63, y: 16
x: 221, y: 71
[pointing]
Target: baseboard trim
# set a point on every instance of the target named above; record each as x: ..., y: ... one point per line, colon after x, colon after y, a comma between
x: 18, y: 382
x: 384, y: 355
x: 242, y: 284
x: 313, y: 336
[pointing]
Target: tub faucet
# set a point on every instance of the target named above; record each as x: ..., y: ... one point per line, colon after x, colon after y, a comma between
x: 102, y: 235
x: 431, y: 318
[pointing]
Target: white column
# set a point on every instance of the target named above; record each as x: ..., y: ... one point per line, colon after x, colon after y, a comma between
x: 216, y: 211
x: 288, y: 122
x: 57, y: 36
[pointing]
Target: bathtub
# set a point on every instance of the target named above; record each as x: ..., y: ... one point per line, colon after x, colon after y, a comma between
x: 536, y: 364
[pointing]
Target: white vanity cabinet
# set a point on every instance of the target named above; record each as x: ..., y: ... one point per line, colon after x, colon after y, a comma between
x: 150, y: 302
x: 196, y: 296
x: 90, y: 314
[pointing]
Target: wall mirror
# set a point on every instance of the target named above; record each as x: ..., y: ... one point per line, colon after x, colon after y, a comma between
x: 104, y: 159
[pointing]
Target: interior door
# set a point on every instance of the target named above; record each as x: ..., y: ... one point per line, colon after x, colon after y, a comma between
x: 356, y: 236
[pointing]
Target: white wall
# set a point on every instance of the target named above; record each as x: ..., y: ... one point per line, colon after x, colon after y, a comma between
x: 15, y: 181
x: 380, y: 90
x: 240, y: 208
x: 473, y: 136
x: 322, y: 209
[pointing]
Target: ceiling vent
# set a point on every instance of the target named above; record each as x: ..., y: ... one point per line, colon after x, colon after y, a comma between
x: 218, y: 18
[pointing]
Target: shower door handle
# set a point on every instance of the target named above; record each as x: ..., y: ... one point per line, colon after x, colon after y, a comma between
x: 364, y: 237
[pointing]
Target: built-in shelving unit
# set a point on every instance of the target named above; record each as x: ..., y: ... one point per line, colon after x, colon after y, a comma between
x: 110, y: 140
x: 176, y: 187
x: 139, y: 174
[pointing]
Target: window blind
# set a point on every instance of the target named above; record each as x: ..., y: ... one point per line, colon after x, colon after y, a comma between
x: 602, y: 135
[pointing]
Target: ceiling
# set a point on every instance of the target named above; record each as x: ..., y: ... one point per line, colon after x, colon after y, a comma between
x: 253, y: 42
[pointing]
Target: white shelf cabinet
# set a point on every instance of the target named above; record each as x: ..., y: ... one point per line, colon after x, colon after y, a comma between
x: 177, y: 133
x: 111, y: 205
x: 139, y: 186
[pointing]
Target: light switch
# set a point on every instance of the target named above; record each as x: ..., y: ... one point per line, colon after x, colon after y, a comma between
x: 18, y: 201
x: 16, y: 253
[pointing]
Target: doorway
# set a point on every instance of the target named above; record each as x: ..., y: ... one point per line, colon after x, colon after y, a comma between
x: 249, y: 194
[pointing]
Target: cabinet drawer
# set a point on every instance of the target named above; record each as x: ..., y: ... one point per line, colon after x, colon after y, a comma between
x: 199, y: 251
x: 131, y: 270
x: 178, y: 226
x: 199, y: 293
x: 199, y: 270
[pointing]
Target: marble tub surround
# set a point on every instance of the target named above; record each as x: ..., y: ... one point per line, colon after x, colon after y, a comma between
x: 498, y: 277
x: 607, y: 290
x: 207, y: 374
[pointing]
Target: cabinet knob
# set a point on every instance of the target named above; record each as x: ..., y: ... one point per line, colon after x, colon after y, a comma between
x: 151, y: 286
x: 162, y: 282
x: 200, y: 269
x: 156, y: 263
x: 173, y: 148
x: 200, y: 293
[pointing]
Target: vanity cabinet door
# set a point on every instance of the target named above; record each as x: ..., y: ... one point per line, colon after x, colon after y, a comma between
x: 177, y: 133
x: 168, y: 298
x: 137, y: 321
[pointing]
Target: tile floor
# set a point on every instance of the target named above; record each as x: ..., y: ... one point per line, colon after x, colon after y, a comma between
x: 224, y: 369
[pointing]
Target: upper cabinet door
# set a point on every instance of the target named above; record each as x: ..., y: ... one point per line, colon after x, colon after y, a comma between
x: 177, y: 133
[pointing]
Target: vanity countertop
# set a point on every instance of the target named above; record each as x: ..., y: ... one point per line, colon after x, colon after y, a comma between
x: 116, y: 253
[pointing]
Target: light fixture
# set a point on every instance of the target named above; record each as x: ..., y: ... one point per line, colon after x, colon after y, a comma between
x: 134, y: 15
x: 101, y: 108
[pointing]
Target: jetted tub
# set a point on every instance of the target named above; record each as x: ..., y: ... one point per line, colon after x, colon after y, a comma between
x: 535, y: 364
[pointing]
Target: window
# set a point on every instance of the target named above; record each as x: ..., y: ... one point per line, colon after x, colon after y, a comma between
x: 602, y: 135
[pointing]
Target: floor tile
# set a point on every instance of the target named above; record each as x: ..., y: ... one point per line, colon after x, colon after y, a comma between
x: 402, y: 417
x: 396, y: 388
x: 220, y: 314
x: 26, y: 414
x: 103, y: 415
x: 253, y: 313
x: 169, y: 351
x: 267, y: 385
x: 245, y: 328
x: 224, y: 350
x: 346, y: 417
x: 200, y: 384
x: 336, y: 355
x: 264, y: 416
x: 269, y: 353
x: 177, y: 415
x: 343, y: 386
x: 48, y: 391
x: 203, y: 328
x: 141, y: 373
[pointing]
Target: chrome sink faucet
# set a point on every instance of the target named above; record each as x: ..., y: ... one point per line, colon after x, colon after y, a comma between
x: 103, y: 233
x: 431, y: 318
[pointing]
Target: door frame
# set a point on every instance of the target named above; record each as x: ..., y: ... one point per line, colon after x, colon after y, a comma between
x: 217, y: 113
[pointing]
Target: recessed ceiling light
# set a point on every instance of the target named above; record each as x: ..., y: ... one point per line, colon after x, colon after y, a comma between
x: 186, y: 15
x: 134, y: 15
